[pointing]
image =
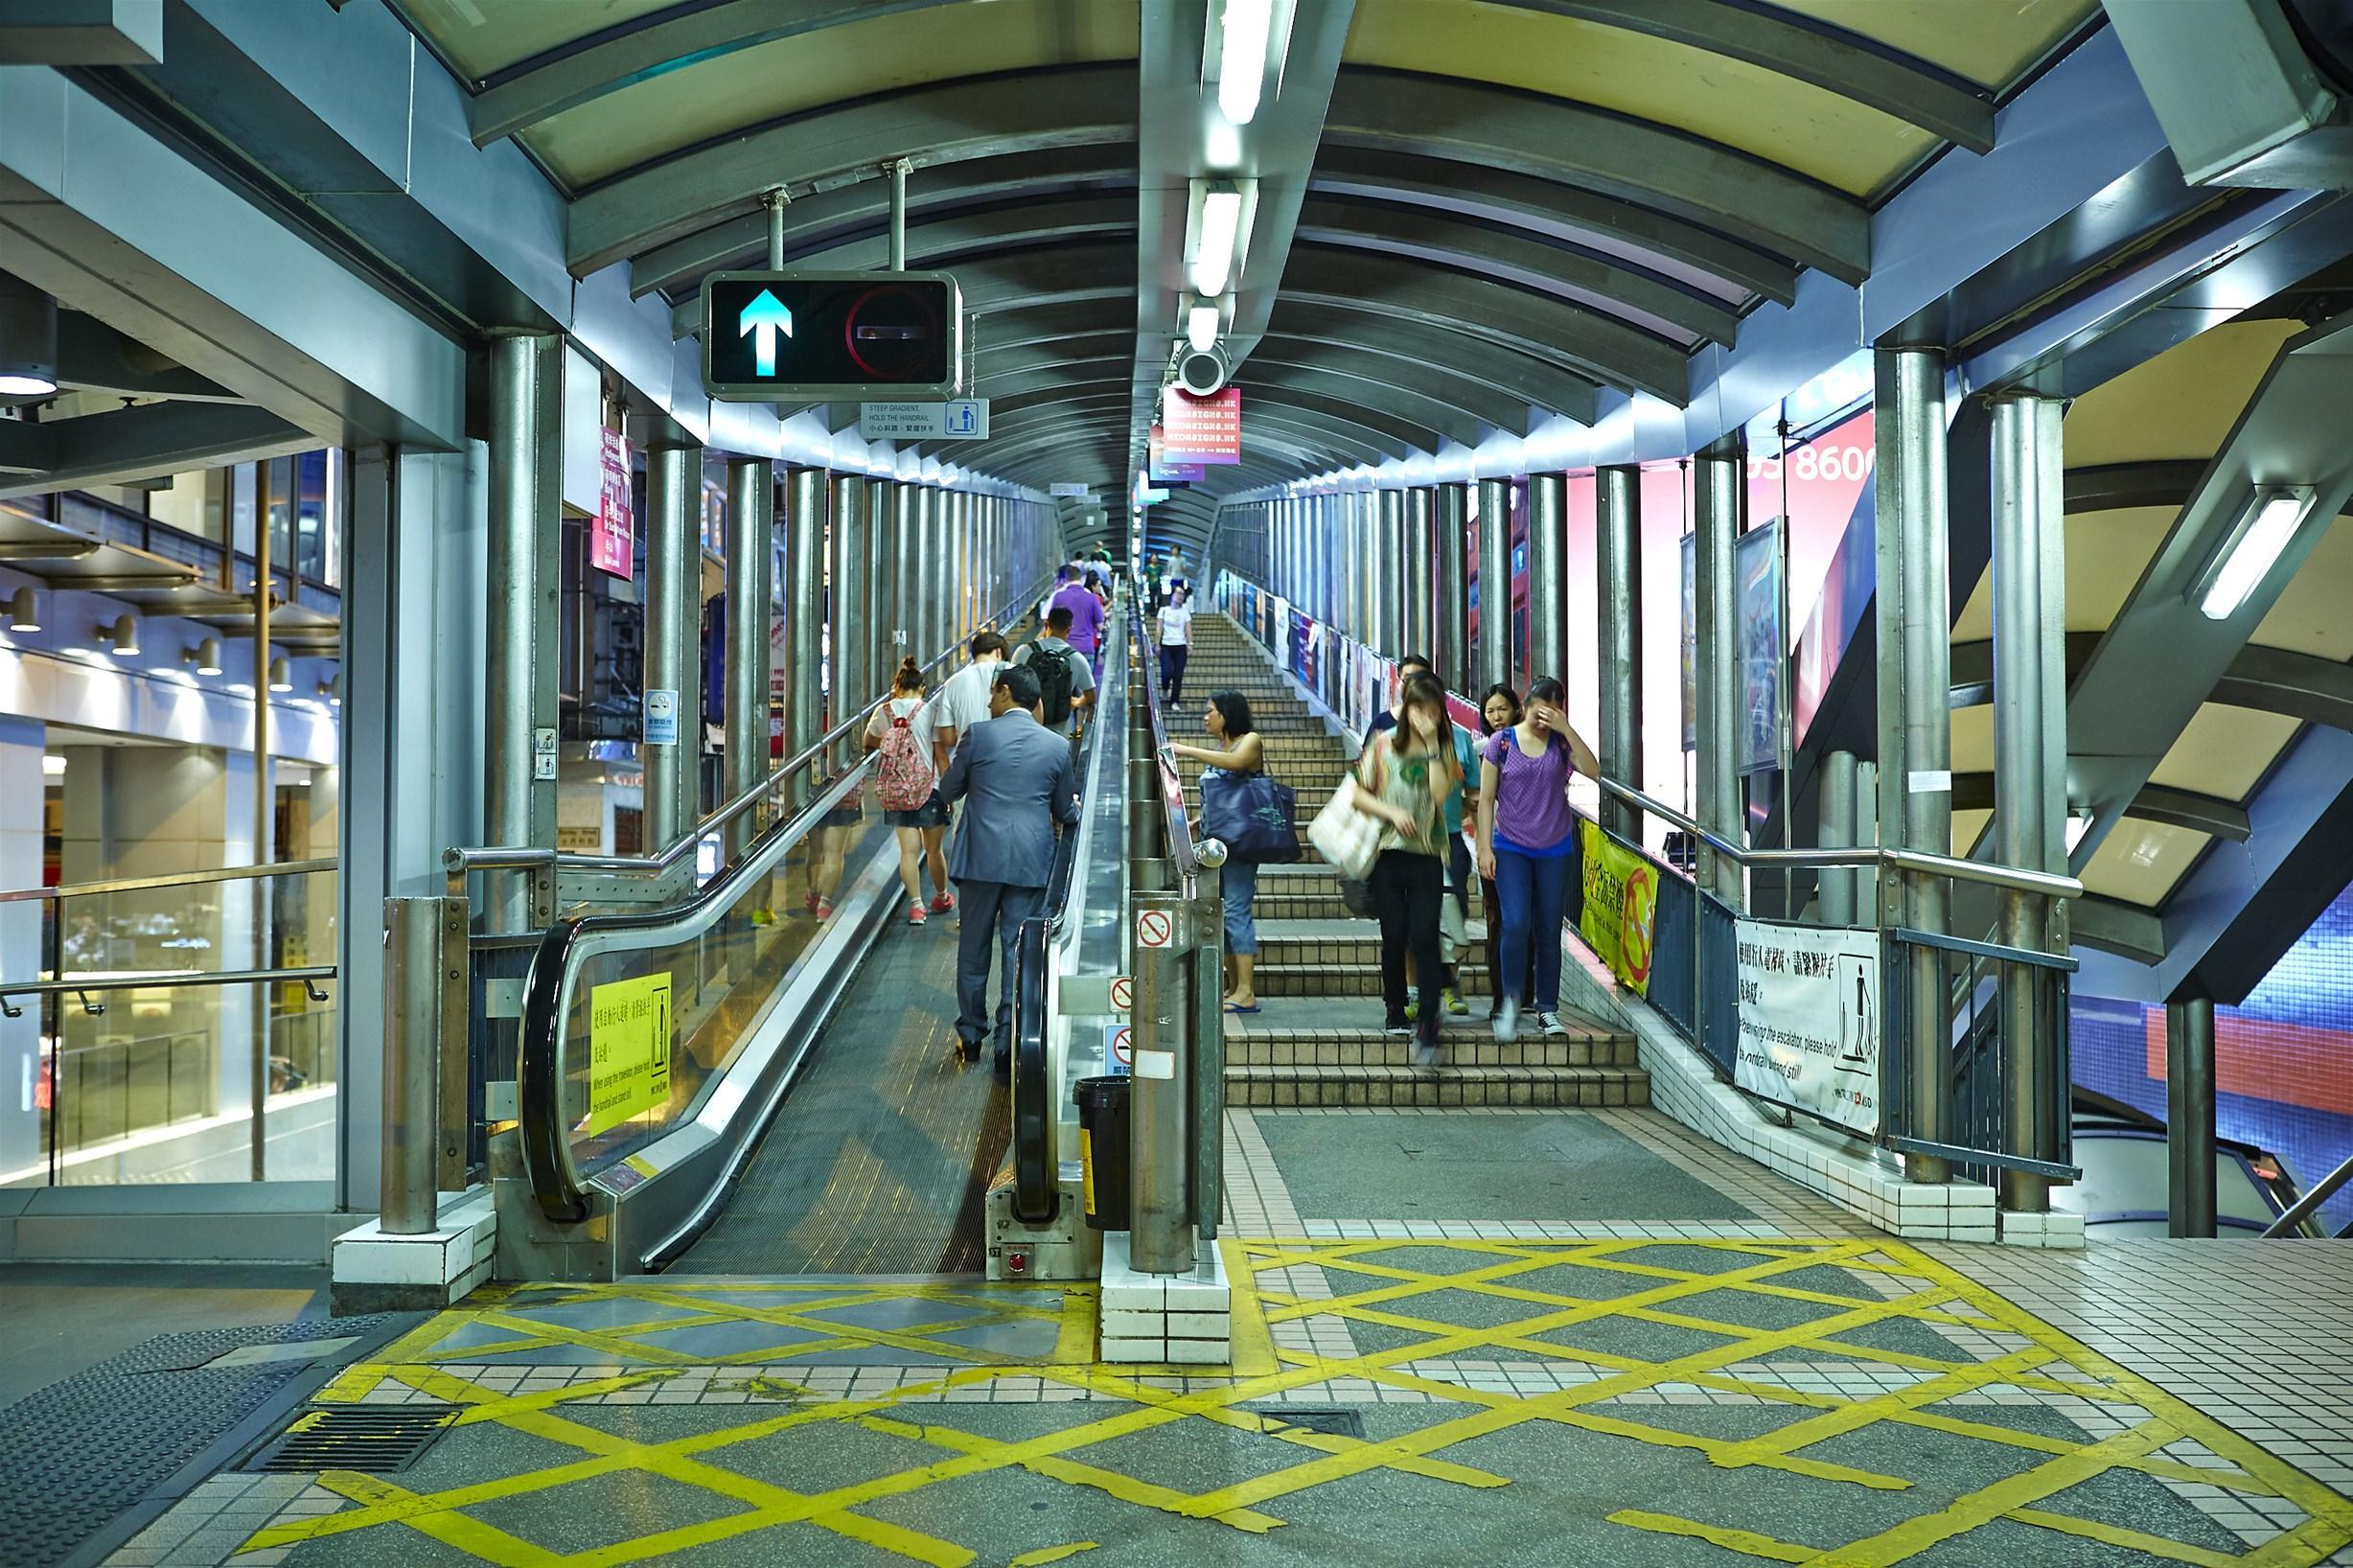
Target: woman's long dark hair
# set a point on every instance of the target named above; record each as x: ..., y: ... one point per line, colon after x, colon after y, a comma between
x: 1420, y: 690
x: 1235, y: 709
x: 1547, y: 689
x: 1498, y: 689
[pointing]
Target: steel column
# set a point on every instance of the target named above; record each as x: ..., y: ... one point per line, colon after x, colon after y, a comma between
x: 885, y: 586
x: 1717, y: 606
x: 526, y: 526
x: 412, y: 998
x: 804, y: 617
x: 2189, y: 1116
x: 1160, y: 1136
x: 2029, y: 758
x: 1547, y: 581
x: 1915, y: 718
x: 673, y: 636
x: 1450, y: 531
x: 1617, y: 551
x: 751, y: 531
x: 1494, y: 583
x: 1420, y: 577
x: 850, y: 614
x: 922, y: 516
x: 1835, y: 830
x: 1389, y: 515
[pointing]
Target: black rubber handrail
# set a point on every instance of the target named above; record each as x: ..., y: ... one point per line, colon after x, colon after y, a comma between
x: 1036, y: 1188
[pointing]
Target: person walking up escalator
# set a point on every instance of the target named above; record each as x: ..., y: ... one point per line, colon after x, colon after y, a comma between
x: 1176, y: 636
x: 908, y: 785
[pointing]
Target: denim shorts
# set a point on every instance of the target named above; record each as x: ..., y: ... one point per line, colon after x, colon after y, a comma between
x: 933, y: 813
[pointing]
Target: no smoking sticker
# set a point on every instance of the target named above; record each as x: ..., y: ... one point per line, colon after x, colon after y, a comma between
x: 1123, y: 993
x: 1154, y: 929
x: 1119, y: 1047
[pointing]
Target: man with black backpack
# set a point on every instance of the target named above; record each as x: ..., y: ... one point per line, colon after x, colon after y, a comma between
x: 1065, y: 680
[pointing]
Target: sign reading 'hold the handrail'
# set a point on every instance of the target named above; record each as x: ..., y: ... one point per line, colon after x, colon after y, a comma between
x: 1810, y: 1020
x: 629, y: 1050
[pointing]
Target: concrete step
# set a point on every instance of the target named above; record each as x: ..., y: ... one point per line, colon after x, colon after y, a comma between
x: 1280, y: 977
x: 1469, y: 1042
x: 1442, y: 1087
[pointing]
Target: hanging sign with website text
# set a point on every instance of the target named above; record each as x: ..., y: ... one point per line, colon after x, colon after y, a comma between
x: 1201, y: 429
x: 612, y: 534
x: 1619, y: 921
x: 629, y: 1050
x: 1159, y: 464
x: 1810, y: 1020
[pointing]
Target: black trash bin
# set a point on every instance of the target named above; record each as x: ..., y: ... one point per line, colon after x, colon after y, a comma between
x: 1102, y: 1149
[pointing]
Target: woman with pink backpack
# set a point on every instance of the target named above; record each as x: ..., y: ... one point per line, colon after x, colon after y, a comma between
x: 901, y: 731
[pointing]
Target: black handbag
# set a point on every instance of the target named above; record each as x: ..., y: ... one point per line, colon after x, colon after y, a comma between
x: 1252, y: 814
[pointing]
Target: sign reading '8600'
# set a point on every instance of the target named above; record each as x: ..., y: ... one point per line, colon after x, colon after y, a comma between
x: 831, y: 337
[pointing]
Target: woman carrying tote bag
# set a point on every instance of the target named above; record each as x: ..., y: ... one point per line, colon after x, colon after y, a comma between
x: 1236, y: 762
x: 1403, y: 781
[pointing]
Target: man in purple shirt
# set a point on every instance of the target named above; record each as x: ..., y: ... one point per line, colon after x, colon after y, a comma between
x: 1086, y: 612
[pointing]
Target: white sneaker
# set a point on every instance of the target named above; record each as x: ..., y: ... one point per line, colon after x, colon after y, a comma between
x: 1508, y: 1021
x: 1551, y: 1023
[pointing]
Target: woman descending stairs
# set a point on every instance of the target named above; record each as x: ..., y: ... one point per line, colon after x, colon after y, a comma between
x: 1317, y: 1039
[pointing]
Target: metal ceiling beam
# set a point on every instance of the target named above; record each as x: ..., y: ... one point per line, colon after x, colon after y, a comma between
x: 937, y: 242
x: 1551, y: 330
x: 2206, y: 814
x: 2275, y: 680
x: 1523, y: 377
x: 1443, y: 420
x: 1312, y: 445
x: 1577, y: 276
x: 128, y: 443
x: 2113, y: 926
x: 1762, y: 203
x: 953, y: 122
x: 92, y: 357
x: 1343, y: 437
x: 1652, y: 240
x: 1441, y: 385
x: 1393, y: 409
x: 2110, y: 487
x: 544, y: 86
x: 830, y: 218
x: 1805, y: 49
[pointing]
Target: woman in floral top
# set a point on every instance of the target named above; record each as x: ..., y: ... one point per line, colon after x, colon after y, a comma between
x: 1404, y: 780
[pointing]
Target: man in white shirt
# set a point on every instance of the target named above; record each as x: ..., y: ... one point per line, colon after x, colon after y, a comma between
x: 962, y: 700
x: 1176, y: 621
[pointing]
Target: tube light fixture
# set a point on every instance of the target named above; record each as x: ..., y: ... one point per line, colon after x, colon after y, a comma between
x: 2251, y: 549
x: 22, y: 614
x: 1221, y: 222
x: 281, y: 674
x: 206, y: 656
x: 1201, y: 327
x: 1242, y: 57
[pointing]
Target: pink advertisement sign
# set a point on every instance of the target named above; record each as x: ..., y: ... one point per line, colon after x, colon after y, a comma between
x: 614, y: 531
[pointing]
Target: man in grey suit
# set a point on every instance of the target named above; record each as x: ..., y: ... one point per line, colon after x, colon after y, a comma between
x: 1018, y: 780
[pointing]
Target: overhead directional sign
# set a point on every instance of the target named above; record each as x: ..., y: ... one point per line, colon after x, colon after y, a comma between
x: 833, y: 337
x: 960, y: 419
x: 1071, y: 492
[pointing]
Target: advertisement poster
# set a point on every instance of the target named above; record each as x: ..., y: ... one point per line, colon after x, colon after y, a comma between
x: 613, y: 533
x: 1621, y: 915
x: 1691, y: 642
x: 1757, y: 568
x: 1810, y: 1020
x: 1302, y: 650
x: 1201, y: 429
x: 629, y: 1050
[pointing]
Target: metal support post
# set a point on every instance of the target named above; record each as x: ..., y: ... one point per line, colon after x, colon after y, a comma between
x: 1717, y: 606
x: 416, y: 966
x: 922, y: 550
x: 1617, y: 551
x: 1388, y: 508
x: 850, y: 616
x: 898, y: 213
x: 751, y: 516
x: 264, y: 821
x: 1420, y: 586
x: 2029, y: 760
x: 886, y: 586
x: 1495, y: 525
x: 1915, y: 717
x: 1160, y: 1127
x: 673, y: 604
x: 2189, y: 1119
x: 805, y: 619
x: 1835, y: 830
x: 1450, y: 530
x: 1205, y: 999
x: 526, y: 526
x: 1548, y: 579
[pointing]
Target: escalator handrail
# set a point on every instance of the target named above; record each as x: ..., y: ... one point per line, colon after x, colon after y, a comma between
x: 1181, y: 846
x: 541, y: 1067
x: 1036, y: 1190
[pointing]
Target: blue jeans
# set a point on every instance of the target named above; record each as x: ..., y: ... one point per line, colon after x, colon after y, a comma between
x: 1533, y: 892
x: 989, y: 915
x: 1237, y: 886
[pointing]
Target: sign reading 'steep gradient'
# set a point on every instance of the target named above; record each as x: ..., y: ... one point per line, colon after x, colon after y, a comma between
x: 1201, y: 429
x: 831, y: 336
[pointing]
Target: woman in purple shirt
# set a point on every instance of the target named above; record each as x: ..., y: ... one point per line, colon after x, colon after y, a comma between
x: 1528, y: 848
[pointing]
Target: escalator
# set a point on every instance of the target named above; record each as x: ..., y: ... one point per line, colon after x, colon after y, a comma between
x: 811, y: 1115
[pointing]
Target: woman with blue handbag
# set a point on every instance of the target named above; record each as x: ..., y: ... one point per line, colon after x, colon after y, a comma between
x: 1231, y: 768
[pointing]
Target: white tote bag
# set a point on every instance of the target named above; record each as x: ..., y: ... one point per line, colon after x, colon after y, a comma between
x: 1344, y: 836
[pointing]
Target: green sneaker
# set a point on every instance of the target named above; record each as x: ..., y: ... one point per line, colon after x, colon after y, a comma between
x: 1413, y: 1012
x: 1454, y: 1004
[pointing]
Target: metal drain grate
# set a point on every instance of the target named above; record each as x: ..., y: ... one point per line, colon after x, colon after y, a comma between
x: 1339, y: 1424
x: 377, y: 1438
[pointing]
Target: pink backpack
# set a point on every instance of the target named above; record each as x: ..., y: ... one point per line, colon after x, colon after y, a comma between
x: 904, y: 780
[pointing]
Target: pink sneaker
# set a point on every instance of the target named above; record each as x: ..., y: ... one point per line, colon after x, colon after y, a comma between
x: 943, y: 903
x: 808, y: 900
x: 824, y: 909
x: 914, y: 913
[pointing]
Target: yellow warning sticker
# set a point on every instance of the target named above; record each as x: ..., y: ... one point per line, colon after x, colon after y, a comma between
x: 629, y: 1050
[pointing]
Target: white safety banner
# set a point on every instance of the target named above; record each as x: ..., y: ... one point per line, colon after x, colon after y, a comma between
x: 1810, y: 1020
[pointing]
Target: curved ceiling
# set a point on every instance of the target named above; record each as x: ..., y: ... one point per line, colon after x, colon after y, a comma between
x: 1503, y: 210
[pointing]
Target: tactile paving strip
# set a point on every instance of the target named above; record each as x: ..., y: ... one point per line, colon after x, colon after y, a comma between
x: 80, y: 1455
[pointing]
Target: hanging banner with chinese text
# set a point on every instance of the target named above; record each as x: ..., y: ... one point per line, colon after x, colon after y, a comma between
x: 1810, y: 1020
x: 613, y: 533
x: 629, y: 1050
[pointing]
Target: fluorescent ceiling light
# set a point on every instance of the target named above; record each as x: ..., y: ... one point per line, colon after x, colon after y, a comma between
x: 53, y: 766
x: 1242, y: 57
x: 1221, y: 144
x: 1221, y: 221
x: 1201, y: 327
x: 2253, y: 548
x: 26, y: 386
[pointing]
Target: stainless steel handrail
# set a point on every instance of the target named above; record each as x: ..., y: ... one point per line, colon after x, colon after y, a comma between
x: 1181, y: 847
x: 494, y: 858
x: 2049, y: 883
x: 166, y: 981
x: 2309, y: 1204
x: 134, y: 884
